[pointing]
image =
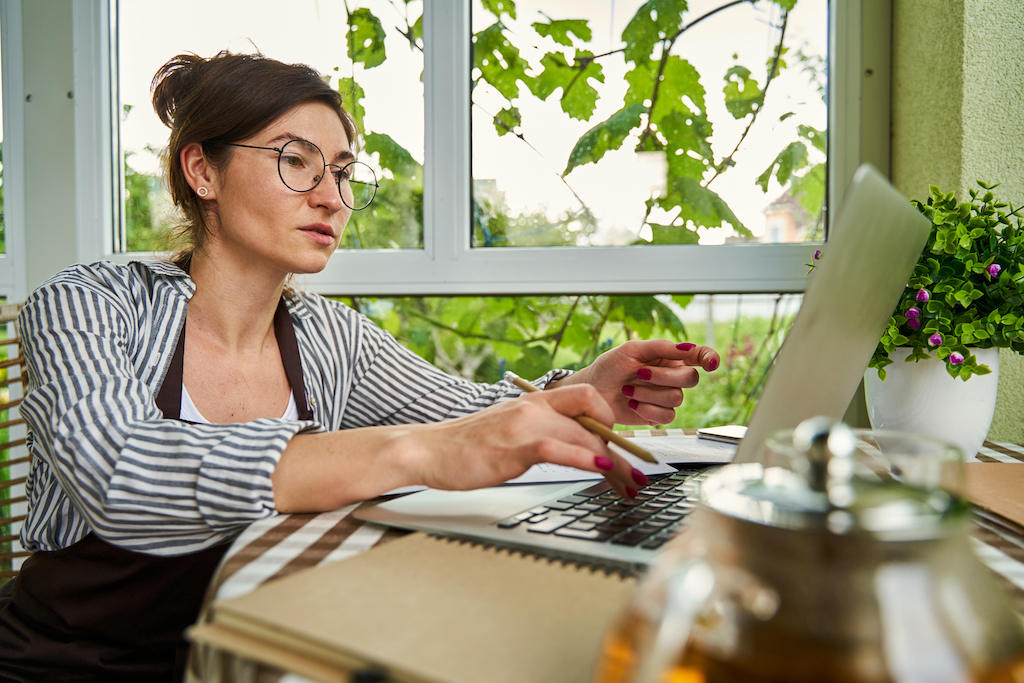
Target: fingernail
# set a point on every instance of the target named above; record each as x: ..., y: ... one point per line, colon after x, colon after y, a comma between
x: 712, y: 364
x: 603, y: 463
x: 633, y: 404
x: 628, y: 390
x: 631, y: 492
x: 643, y: 373
x: 639, y: 477
x: 685, y: 346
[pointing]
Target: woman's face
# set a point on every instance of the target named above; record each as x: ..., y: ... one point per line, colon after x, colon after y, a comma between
x: 259, y: 221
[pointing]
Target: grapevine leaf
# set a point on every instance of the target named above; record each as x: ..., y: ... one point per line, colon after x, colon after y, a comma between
x: 500, y: 7
x: 793, y: 158
x: 743, y: 96
x: 393, y: 156
x: 656, y: 20
x: 605, y: 136
x: 559, y: 30
x: 507, y: 120
x: 365, y: 38
x: 701, y: 206
x: 498, y: 61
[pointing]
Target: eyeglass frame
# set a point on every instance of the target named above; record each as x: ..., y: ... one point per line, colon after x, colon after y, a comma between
x: 280, y: 152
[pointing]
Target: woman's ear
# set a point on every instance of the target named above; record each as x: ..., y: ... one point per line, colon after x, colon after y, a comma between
x: 198, y: 172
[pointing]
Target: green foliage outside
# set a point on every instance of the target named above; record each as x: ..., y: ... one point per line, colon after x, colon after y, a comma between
x: 664, y: 111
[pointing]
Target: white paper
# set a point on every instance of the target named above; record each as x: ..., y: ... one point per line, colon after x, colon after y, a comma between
x: 667, y: 450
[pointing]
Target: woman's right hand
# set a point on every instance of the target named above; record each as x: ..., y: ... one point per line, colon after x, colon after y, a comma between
x: 328, y: 470
x: 500, y: 443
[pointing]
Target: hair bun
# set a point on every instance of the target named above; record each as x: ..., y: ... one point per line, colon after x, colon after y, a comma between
x: 172, y: 81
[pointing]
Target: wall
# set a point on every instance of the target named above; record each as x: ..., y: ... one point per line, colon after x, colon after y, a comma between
x: 957, y: 117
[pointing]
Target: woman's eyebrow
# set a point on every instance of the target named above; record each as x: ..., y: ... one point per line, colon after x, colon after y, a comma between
x: 344, y: 156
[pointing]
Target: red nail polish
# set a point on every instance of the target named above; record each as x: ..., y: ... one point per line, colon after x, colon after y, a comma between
x: 643, y: 373
x: 603, y: 463
x: 712, y: 364
x: 639, y: 477
x: 685, y: 346
x: 633, y: 404
x: 631, y: 492
x: 628, y: 390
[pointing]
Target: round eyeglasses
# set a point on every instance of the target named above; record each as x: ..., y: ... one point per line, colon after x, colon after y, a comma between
x: 301, y: 166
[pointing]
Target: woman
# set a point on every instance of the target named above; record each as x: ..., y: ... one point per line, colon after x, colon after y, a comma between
x: 172, y: 404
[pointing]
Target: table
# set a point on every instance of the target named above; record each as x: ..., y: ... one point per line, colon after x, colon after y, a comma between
x: 278, y: 546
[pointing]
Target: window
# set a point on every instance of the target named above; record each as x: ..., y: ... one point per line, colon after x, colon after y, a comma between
x: 439, y: 257
x: 377, y: 72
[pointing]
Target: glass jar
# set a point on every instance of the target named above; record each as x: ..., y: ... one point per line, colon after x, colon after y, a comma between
x: 842, y: 555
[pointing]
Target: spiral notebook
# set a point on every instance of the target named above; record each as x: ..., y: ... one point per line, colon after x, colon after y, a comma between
x: 422, y: 609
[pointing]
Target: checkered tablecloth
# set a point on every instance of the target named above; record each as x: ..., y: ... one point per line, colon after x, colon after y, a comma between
x: 276, y: 547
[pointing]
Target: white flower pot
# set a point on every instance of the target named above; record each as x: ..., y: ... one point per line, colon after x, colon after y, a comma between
x: 921, y: 397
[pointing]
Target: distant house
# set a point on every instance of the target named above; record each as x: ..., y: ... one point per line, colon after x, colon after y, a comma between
x: 785, y: 221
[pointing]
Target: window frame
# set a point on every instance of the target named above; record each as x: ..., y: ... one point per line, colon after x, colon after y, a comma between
x: 447, y: 264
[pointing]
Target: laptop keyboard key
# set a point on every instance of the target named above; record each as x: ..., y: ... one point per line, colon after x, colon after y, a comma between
x: 552, y: 522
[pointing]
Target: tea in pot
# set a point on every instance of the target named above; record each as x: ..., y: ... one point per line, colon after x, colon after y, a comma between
x: 843, y: 555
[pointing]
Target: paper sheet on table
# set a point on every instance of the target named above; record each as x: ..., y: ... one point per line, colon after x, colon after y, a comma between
x: 668, y: 450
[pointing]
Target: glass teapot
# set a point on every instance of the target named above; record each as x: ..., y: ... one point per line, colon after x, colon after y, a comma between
x: 842, y: 555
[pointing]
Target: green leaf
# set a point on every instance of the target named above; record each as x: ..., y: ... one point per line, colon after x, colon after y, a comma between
x: 656, y: 20
x: 743, y: 96
x: 352, y: 97
x: 793, y: 158
x: 507, y: 120
x: 673, y: 234
x: 365, y: 38
x: 679, y: 82
x: 393, y: 156
x: 809, y: 189
x: 785, y: 4
x: 559, y: 30
x: 498, y: 61
x: 605, y: 136
x: 500, y: 7
x: 579, y: 98
x: 700, y: 205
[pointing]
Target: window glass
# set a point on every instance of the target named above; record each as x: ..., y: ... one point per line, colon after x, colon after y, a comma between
x: 371, y: 50
x: 605, y: 123
x: 479, y: 338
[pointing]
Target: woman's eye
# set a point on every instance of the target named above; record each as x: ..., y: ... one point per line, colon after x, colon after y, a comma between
x: 293, y: 160
x: 339, y: 175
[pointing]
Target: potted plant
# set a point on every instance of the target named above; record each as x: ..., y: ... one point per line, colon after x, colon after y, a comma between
x: 964, y: 301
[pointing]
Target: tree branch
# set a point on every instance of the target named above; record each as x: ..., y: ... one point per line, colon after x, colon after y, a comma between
x: 727, y: 161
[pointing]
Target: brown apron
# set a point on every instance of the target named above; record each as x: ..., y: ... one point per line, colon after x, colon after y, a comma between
x: 97, y: 612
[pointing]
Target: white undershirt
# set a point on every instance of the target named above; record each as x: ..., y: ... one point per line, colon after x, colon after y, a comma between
x: 190, y: 413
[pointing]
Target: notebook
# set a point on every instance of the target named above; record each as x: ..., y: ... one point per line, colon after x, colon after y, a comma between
x: 877, y: 238
x: 426, y: 610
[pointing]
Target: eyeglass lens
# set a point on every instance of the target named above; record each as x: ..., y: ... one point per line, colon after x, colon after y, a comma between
x: 301, y: 165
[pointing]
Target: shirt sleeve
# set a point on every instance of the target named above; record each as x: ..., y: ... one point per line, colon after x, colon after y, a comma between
x: 140, y: 481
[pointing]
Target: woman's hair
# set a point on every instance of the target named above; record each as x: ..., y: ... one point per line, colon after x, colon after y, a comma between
x: 226, y: 98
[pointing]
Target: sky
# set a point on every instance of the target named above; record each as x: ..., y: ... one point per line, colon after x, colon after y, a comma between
x: 312, y: 31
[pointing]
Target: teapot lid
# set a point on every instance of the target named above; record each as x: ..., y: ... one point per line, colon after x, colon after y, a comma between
x: 823, y: 475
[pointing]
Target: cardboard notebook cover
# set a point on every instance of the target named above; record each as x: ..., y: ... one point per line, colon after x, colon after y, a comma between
x: 432, y: 610
x: 997, y: 488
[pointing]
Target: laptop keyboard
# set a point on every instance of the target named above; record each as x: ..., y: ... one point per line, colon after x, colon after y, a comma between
x: 600, y: 514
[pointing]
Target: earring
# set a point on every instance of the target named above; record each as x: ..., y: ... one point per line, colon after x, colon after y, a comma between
x: 202, y: 192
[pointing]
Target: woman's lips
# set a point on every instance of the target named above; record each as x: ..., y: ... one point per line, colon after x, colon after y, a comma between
x: 320, y: 233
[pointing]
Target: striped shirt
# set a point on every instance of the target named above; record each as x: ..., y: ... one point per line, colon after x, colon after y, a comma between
x: 98, y: 340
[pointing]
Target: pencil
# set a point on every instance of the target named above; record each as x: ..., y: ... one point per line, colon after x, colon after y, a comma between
x: 592, y: 424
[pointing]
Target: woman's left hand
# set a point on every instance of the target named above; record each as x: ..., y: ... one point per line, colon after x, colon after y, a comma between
x: 643, y: 381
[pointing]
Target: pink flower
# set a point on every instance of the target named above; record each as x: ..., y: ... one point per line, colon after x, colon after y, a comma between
x: 817, y: 254
x: 956, y: 358
x: 923, y: 295
x: 912, y: 313
x: 913, y: 324
x: 994, y: 269
x: 935, y: 340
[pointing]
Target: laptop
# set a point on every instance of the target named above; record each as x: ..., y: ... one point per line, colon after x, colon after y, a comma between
x: 850, y: 296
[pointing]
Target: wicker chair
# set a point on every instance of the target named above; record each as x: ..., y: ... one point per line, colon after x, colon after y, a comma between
x: 14, y: 456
